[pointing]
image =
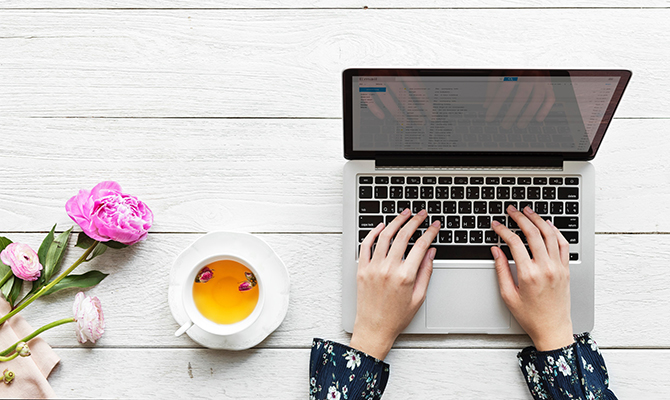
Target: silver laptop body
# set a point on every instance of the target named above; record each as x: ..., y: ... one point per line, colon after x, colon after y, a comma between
x: 426, y: 138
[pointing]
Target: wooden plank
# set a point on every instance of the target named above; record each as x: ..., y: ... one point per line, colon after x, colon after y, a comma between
x: 632, y: 288
x: 274, y: 63
x: 261, y: 175
x: 284, y: 374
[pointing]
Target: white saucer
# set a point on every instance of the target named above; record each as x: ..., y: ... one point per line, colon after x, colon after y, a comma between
x: 255, y: 251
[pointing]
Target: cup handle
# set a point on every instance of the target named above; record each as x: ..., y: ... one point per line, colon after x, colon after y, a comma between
x: 184, y: 328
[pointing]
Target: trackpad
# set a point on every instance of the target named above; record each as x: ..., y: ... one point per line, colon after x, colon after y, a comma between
x: 465, y: 300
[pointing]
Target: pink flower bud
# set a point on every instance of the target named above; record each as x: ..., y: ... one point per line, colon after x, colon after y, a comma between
x: 204, y: 275
x: 244, y: 286
x: 90, y: 322
x: 23, y: 260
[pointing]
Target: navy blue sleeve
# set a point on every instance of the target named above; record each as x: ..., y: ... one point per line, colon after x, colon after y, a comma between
x: 338, y: 372
x: 573, y: 372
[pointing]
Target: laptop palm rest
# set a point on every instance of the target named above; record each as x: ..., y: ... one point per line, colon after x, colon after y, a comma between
x: 466, y: 300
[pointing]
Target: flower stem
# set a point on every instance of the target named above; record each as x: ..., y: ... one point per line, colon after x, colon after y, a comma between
x: 8, y: 358
x: 51, y: 284
x: 6, y: 277
x: 37, y: 332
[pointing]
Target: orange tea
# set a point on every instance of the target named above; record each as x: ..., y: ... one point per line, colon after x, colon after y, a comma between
x: 225, y: 292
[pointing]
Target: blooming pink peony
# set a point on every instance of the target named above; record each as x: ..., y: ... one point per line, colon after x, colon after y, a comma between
x: 89, y: 318
x: 106, y: 214
x: 23, y: 260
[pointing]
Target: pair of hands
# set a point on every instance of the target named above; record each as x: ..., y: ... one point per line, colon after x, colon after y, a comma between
x: 391, y: 290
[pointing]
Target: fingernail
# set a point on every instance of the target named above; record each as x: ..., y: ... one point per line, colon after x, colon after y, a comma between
x: 405, y: 211
x: 431, y: 253
x: 529, y: 210
x: 494, y: 251
x: 550, y: 223
x: 423, y: 212
x: 512, y: 208
x: 495, y: 223
x: 437, y: 223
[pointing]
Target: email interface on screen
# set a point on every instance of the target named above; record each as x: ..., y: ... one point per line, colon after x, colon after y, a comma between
x: 479, y: 113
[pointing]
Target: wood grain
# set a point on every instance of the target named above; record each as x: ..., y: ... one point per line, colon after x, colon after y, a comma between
x: 287, y: 63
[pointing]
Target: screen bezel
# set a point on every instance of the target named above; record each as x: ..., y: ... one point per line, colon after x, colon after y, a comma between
x: 347, y: 82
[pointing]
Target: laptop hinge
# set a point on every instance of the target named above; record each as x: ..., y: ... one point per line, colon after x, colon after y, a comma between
x: 461, y: 162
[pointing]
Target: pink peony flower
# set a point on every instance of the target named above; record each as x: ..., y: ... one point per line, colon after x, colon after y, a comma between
x: 106, y: 214
x: 23, y: 260
x: 88, y: 316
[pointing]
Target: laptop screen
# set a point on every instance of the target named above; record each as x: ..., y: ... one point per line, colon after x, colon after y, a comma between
x: 407, y: 111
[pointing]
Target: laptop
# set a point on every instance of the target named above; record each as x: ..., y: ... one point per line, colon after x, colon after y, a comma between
x: 464, y: 144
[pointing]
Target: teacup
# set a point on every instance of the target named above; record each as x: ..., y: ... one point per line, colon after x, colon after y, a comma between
x: 213, y: 301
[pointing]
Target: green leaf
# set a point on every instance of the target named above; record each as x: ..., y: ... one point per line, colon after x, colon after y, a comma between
x: 99, y: 249
x: 4, y: 242
x: 55, y: 255
x: 12, y: 289
x: 84, y: 241
x: 46, y: 244
x: 7, y: 287
x: 90, y: 278
x: 115, y: 245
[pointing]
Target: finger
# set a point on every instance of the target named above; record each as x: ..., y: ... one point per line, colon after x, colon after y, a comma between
x: 406, y: 101
x: 533, y: 106
x: 372, y: 106
x: 563, y: 246
x: 423, y: 277
x: 504, y: 90
x: 513, y: 241
x: 508, y: 289
x: 548, y: 233
x: 520, y: 99
x: 399, y: 245
x: 384, y: 240
x: 535, y: 241
x: 549, y: 100
x: 366, y: 245
x: 421, y: 246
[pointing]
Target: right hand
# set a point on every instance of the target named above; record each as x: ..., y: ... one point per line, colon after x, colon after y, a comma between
x: 541, y: 300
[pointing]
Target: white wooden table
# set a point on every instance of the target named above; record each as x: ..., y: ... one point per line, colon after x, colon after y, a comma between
x: 226, y: 115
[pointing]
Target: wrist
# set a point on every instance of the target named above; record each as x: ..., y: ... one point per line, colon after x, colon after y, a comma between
x: 372, y: 345
x: 555, y: 341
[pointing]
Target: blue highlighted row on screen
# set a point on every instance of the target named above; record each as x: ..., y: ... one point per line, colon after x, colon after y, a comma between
x: 510, y: 78
x: 371, y: 89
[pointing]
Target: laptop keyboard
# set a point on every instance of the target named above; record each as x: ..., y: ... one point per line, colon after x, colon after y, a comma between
x: 466, y: 206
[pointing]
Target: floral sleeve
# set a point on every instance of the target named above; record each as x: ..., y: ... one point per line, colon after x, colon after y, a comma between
x: 339, y: 372
x: 573, y: 372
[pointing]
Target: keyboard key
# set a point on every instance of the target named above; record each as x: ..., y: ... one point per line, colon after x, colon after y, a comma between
x: 568, y: 193
x: 479, y: 207
x: 461, y: 180
x: 461, y: 252
x: 546, y: 217
x: 398, y: 180
x: 460, y: 236
x: 388, y: 207
x: 490, y: 237
x: 571, y: 236
x: 368, y: 207
x: 442, y: 192
x: 464, y: 207
x: 533, y: 193
x: 402, y: 205
x: 571, y: 207
x: 365, y: 179
x: 472, y: 192
x: 411, y: 192
x: 556, y: 207
x: 365, y: 192
x: 500, y: 218
x: 429, y: 180
x: 434, y: 207
x: 539, y: 181
x: 438, y: 218
x: 457, y: 192
x: 425, y: 223
x: 418, y: 206
x: 449, y: 207
x: 381, y: 180
x: 444, y: 180
x: 415, y: 236
x: 483, y: 222
x: 495, y: 207
x: 572, y: 181
x: 446, y: 236
x: 502, y: 192
x: 413, y: 180
x: 512, y: 224
x: 574, y: 257
x: 426, y: 192
x: 519, y: 192
x: 541, y: 207
x: 555, y: 181
x: 369, y: 221
x: 548, y: 193
x: 508, y: 181
x: 362, y: 234
x: 566, y: 222
x: 477, y: 180
x: 453, y: 222
x: 488, y: 192
x: 523, y: 181
x: 492, y: 181
x: 468, y: 221
x: 524, y: 204
x: 389, y: 219
x: 510, y: 203
x: 395, y: 192
x: 476, y: 236
x: 381, y: 192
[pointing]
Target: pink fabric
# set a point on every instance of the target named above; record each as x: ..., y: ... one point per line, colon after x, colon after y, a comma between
x: 31, y: 372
